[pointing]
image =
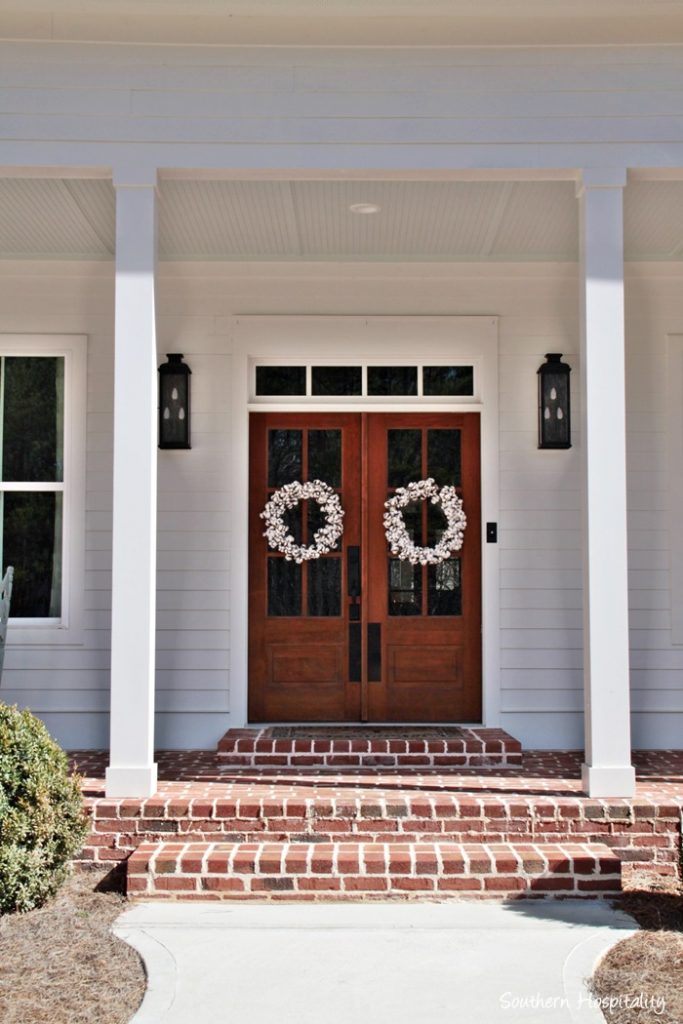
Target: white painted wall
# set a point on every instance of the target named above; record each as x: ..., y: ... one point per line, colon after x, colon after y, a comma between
x: 539, y: 522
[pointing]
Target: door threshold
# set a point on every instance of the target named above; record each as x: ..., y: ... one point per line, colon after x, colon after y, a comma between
x: 364, y: 725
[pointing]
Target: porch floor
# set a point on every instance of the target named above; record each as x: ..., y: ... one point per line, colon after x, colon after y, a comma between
x: 199, y: 774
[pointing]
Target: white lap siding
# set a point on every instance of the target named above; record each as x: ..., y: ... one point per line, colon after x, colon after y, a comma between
x: 540, y: 576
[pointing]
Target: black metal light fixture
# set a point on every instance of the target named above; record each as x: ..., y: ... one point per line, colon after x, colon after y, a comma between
x: 174, y: 402
x: 554, y: 418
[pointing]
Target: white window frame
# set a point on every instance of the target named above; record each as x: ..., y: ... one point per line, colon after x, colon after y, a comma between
x: 419, y: 399
x: 68, y: 628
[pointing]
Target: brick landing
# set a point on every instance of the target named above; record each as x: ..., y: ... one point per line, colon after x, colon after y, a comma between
x: 307, y: 871
x: 359, y: 747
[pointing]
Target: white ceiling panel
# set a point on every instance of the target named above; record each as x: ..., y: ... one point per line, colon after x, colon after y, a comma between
x: 42, y: 217
x: 226, y: 220
x: 653, y: 220
x: 312, y: 220
x: 539, y: 221
x: 416, y: 220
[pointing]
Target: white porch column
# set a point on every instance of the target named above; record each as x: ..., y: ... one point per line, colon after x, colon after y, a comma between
x: 132, y: 771
x: 607, y: 771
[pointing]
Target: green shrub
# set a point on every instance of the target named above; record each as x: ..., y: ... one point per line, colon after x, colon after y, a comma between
x: 42, y: 820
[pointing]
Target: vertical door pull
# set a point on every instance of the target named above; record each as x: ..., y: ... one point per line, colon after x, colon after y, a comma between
x: 374, y: 652
x: 355, y: 666
x: 353, y: 581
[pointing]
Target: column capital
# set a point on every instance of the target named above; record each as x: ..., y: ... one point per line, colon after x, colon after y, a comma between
x: 600, y: 178
x: 135, y: 177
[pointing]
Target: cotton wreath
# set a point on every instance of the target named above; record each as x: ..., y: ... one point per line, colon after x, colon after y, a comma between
x: 395, y: 528
x: 324, y: 539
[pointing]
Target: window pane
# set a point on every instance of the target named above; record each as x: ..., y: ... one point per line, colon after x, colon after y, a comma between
x: 445, y: 589
x: 280, y: 380
x: 284, y: 457
x: 324, y: 456
x: 443, y: 456
x: 284, y: 587
x: 337, y: 380
x: 448, y: 380
x: 404, y: 457
x: 324, y: 586
x: 392, y: 380
x: 33, y: 423
x: 405, y: 588
x: 32, y: 543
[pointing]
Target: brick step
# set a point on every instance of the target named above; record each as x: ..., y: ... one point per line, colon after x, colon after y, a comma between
x: 391, y: 747
x: 642, y: 834
x: 308, y: 871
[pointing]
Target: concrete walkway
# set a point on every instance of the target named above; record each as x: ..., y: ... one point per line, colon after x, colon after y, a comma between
x: 379, y: 963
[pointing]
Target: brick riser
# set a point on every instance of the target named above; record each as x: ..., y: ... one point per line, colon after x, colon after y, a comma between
x: 307, y: 871
x: 478, y: 748
x: 643, y: 835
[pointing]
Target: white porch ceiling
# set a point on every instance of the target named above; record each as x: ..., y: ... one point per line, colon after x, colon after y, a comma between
x: 311, y: 220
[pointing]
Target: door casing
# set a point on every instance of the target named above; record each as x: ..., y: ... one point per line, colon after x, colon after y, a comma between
x: 349, y: 339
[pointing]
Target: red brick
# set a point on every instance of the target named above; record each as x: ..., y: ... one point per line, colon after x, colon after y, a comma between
x: 422, y: 884
x: 222, y: 884
x: 322, y: 858
x: 175, y: 883
x: 136, y: 884
x: 564, y: 883
x: 504, y: 883
x: 321, y: 884
x: 598, y: 885
x: 459, y: 884
x: 363, y: 884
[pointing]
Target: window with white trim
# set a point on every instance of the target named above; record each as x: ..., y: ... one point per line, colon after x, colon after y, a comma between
x: 41, y: 481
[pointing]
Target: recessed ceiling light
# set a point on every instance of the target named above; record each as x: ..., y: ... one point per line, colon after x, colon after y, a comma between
x: 364, y: 208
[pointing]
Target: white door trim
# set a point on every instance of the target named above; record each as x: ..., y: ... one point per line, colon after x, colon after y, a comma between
x: 468, y: 339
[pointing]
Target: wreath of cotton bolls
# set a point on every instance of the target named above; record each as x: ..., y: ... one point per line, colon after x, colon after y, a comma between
x: 397, y: 534
x: 289, y: 496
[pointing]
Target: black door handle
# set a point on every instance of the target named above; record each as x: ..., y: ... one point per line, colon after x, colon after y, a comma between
x: 374, y: 652
x: 353, y: 580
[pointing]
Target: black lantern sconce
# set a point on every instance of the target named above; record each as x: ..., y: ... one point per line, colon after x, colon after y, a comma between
x: 174, y: 402
x: 554, y: 419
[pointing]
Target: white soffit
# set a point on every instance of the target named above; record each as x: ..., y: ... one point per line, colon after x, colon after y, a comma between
x: 311, y: 220
x: 416, y: 220
x: 71, y: 219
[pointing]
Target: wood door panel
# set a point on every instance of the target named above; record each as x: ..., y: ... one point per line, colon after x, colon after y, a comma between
x: 293, y: 665
x: 415, y: 664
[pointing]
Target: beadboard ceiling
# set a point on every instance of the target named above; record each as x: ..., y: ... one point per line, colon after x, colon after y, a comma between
x: 311, y: 220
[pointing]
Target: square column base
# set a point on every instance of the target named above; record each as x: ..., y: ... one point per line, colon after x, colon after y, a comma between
x: 608, y: 781
x: 131, y: 782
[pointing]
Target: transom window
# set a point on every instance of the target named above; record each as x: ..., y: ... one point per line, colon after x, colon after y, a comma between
x: 388, y: 380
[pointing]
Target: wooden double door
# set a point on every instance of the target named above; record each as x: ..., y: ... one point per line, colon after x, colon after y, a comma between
x: 359, y: 635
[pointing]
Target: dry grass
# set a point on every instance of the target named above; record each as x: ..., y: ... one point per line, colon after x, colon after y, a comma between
x: 61, y: 964
x: 649, y: 966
